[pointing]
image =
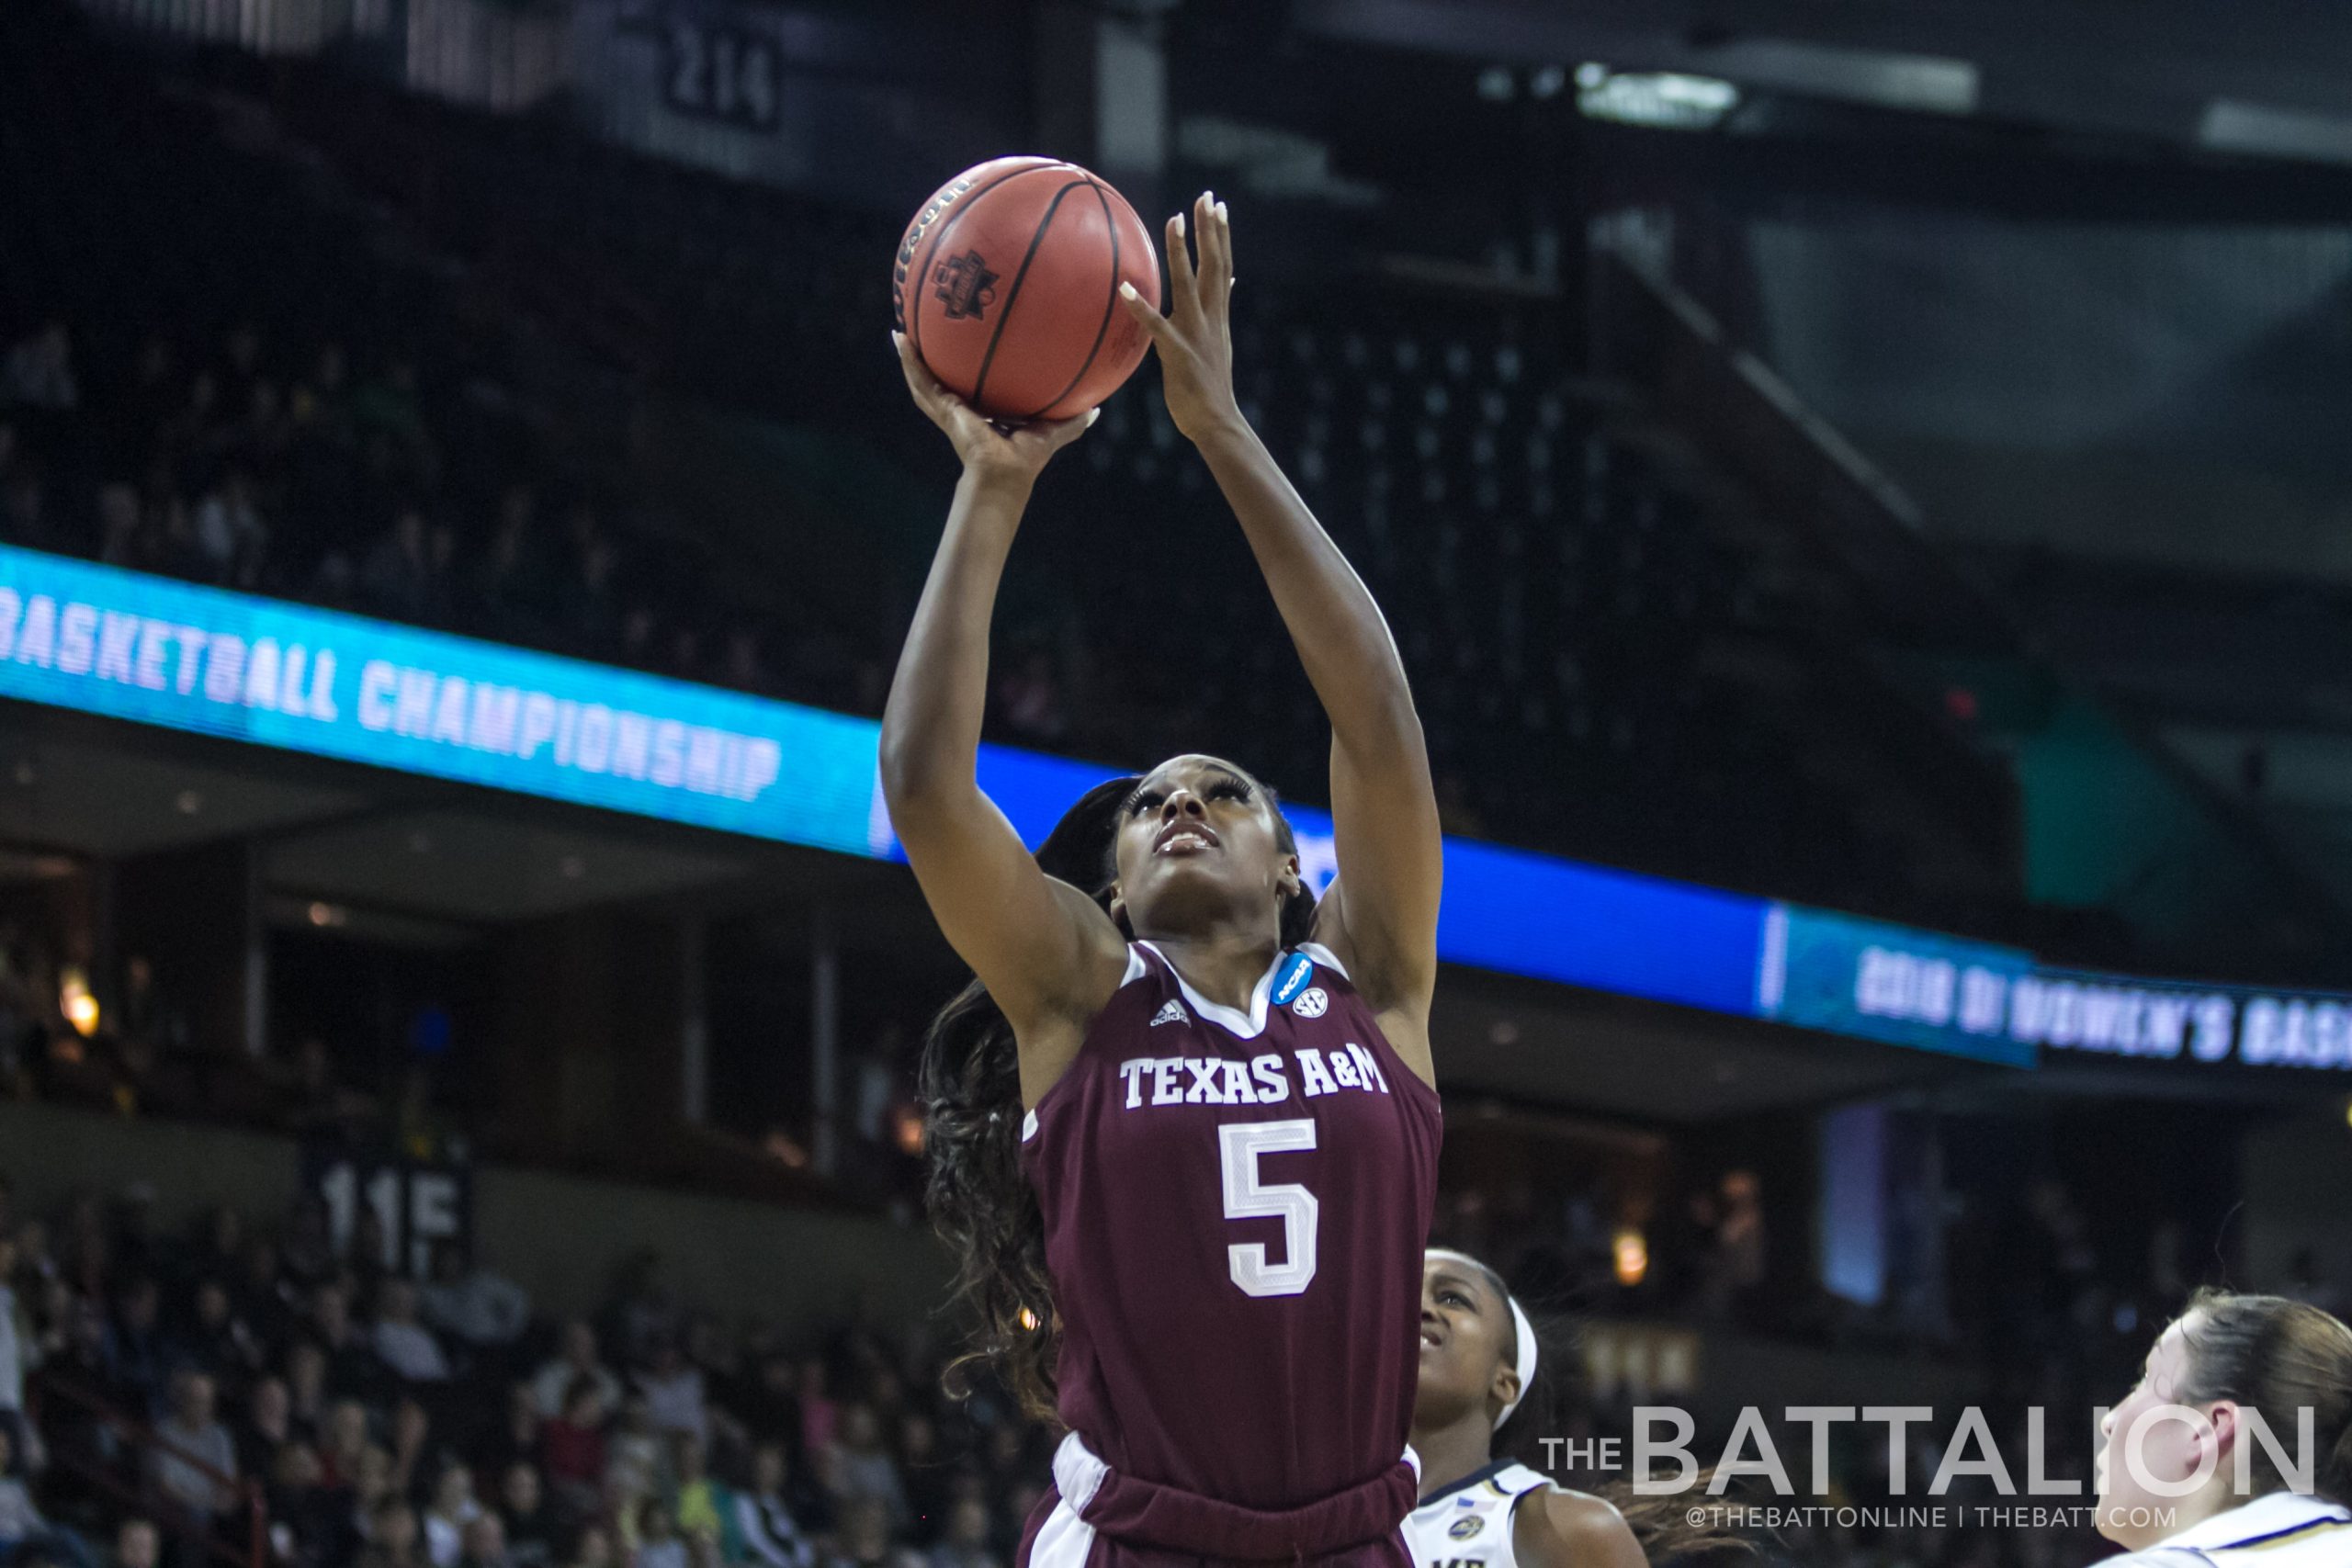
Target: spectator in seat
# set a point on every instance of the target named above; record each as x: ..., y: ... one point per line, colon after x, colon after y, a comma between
x: 215, y: 1341
x: 344, y: 1441
x: 863, y: 1541
x: 479, y: 1309
x: 529, y: 1519
x: 229, y: 532
x: 408, y: 1460
x: 310, y: 1526
x: 818, y: 1410
x: 394, y: 1540
x: 860, y: 1467
x: 764, y: 1521
x: 453, y: 1509
x: 308, y: 1404
x: 262, y: 1298
x: 658, y: 1545
x: 268, y: 1425
x: 354, y: 1369
x: 403, y: 1342
x: 139, y: 1349
x: 672, y: 1388
x: 195, y: 1463
x: 965, y: 1542
x: 24, y: 510
x: 593, y: 1548
x: 483, y: 1544
x: 23, y: 1531
x: 514, y: 1440
x: 770, y: 1404
x: 119, y: 524
x: 919, y: 1470
x: 369, y: 1489
x: 635, y: 1456
x: 39, y: 371
x: 397, y: 578
x: 75, y: 1433
x: 571, y: 1447
x: 137, y: 1544
x: 704, y: 1508
x: 553, y: 1385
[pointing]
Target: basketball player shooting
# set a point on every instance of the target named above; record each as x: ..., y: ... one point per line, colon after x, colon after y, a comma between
x: 1183, y: 1131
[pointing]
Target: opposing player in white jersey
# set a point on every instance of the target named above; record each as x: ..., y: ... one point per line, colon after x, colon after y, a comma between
x: 1479, y: 1362
x: 2183, y: 1479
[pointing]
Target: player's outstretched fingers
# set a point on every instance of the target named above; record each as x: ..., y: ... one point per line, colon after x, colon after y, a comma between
x: 1183, y: 283
x: 1146, y: 315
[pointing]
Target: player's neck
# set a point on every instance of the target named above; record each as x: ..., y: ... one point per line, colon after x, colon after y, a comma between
x: 1454, y: 1449
x: 1223, y: 965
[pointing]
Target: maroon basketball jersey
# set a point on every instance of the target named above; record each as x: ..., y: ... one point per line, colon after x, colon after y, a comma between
x: 1234, y: 1210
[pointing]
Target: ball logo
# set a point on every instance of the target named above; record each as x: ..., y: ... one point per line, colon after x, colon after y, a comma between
x: 1312, y: 1003
x: 966, y: 287
x: 1464, y: 1528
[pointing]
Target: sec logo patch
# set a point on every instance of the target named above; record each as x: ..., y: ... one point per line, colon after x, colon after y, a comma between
x: 1464, y: 1528
x: 1312, y: 1003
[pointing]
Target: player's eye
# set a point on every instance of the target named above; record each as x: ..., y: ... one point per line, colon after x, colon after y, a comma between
x: 1228, y: 789
x: 1457, y: 1297
x: 1141, y: 802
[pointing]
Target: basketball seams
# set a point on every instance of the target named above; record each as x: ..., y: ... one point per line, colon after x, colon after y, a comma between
x: 920, y: 279
x: 1110, y: 221
x: 1013, y: 294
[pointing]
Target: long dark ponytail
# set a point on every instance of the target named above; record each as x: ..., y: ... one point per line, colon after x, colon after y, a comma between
x: 980, y: 1203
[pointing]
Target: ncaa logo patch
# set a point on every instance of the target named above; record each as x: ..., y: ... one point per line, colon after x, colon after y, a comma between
x: 1467, y: 1525
x: 1312, y: 1003
x: 1297, y: 973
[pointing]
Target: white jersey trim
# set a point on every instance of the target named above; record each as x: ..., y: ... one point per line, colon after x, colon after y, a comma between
x: 1249, y: 1025
x: 2283, y: 1527
x: 1323, y: 955
x: 1064, y: 1541
x: 1078, y: 1471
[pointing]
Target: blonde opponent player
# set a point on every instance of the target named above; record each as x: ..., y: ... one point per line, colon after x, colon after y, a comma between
x: 2185, y: 1479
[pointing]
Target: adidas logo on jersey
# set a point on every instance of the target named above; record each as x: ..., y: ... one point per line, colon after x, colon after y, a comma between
x: 1172, y: 1014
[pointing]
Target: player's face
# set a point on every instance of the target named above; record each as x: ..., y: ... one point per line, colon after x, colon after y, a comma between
x: 2130, y: 1513
x: 1199, y: 843
x: 1467, y: 1355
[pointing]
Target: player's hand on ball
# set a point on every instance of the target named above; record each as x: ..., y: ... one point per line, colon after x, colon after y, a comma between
x: 989, y: 450
x: 1194, y: 340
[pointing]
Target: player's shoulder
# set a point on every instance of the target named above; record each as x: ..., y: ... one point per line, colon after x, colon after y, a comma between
x: 1327, y: 962
x: 1553, y: 1526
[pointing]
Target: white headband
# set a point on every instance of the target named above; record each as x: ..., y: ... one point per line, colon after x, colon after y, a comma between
x: 1522, y: 1330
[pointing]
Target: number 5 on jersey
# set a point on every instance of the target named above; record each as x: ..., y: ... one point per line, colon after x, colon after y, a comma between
x: 1246, y: 1198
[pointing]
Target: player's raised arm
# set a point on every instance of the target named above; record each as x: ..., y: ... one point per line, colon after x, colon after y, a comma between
x: 1381, y: 916
x: 1046, y: 953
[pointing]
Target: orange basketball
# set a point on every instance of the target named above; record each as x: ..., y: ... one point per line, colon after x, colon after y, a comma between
x: 1007, y: 283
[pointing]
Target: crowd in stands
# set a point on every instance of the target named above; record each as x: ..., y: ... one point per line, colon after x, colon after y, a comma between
x: 161, y: 1390
x: 381, y: 487
x: 156, y: 1389
x: 1563, y: 603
